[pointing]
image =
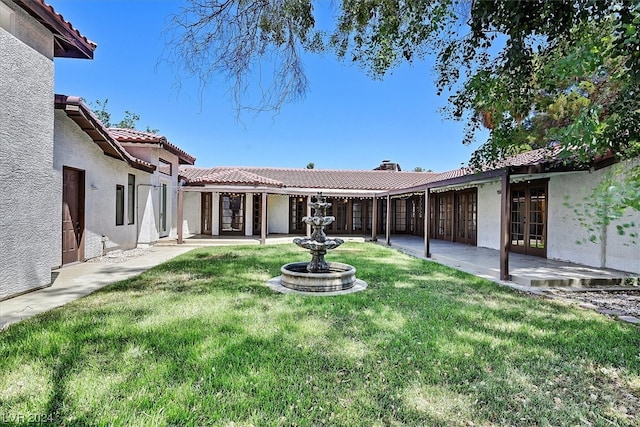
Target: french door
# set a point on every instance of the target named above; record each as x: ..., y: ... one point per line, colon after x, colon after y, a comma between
x: 206, y: 213
x: 466, y: 217
x: 164, y: 210
x: 232, y: 214
x: 529, y: 218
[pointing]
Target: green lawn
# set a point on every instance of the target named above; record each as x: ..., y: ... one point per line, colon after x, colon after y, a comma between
x: 201, y: 340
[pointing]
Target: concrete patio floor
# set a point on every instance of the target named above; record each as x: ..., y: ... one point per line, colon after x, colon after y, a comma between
x: 525, y: 270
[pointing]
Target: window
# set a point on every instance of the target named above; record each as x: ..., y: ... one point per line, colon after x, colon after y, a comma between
x: 119, y: 204
x: 7, y: 18
x: 297, y: 210
x: 164, y: 167
x: 131, y: 200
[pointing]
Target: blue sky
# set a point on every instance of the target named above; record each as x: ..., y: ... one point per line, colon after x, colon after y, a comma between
x: 346, y: 121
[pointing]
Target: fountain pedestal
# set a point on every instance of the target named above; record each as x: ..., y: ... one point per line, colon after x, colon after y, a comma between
x: 318, y: 276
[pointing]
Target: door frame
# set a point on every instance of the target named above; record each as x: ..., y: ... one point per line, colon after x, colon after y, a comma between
x: 164, y: 223
x: 542, y: 215
x: 241, y: 216
x: 80, y: 220
x: 206, y: 213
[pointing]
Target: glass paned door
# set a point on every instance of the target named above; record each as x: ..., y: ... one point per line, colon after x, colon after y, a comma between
x: 206, y: 213
x: 529, y: 219
x: 232, y: 213
x: 297, y: 211
x: 164, y: 202
x: 466, y: 217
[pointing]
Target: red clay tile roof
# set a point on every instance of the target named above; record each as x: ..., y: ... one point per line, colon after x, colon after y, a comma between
x: 307, y: 178
x: 68, y: 42
x: 132, y: 136
x: 80, y: 113
x: 530, y: 158
x: 343, y: 179
x: 237, y: 177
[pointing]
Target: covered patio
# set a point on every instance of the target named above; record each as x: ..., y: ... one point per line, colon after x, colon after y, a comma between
x: 524, y: 270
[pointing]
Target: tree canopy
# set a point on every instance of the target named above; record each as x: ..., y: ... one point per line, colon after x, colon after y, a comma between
x: 101, y: 110
x: 536, y: 73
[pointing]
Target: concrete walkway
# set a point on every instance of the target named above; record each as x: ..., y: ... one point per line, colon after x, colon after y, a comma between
x: 77, y: 280
x: 525, y: 270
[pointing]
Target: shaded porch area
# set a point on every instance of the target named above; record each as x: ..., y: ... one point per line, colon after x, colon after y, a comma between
x: 524, y: 270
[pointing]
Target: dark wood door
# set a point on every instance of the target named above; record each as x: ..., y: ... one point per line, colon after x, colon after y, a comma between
x: 443, y: 207
x: 256, y: 214
x: 466, y: 217
x: 529, y: 218
x: 72, y: 215
x: 206, y: 214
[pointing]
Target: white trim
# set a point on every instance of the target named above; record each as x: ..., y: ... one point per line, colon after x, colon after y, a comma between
x: 7, y: 18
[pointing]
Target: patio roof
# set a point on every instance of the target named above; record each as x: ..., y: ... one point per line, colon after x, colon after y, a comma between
x: 299, y: 178
x: 383, y: 182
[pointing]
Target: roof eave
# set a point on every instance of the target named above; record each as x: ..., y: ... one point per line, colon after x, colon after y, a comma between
x: 77, y: 111
x: 68, y: 42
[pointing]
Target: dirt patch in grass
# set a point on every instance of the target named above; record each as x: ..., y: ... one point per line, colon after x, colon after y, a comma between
x: 616, y: 303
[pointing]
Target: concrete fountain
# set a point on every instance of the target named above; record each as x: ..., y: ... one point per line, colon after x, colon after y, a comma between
x: 318, y: 277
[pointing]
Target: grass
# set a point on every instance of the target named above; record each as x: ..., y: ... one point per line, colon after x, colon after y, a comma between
x: 201, y: 340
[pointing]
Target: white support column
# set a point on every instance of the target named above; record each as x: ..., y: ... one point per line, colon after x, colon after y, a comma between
x: 180, y: 214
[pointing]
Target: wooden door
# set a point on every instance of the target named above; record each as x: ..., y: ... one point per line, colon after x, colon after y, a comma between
x: 443, y: 216
x: 206, y: 214
x: 256, y: 214
x: 466, y: 206
x: 72, y: 215
x: 529, y: 218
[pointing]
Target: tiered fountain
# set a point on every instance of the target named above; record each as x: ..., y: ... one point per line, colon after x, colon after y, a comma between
x: 318, y: 276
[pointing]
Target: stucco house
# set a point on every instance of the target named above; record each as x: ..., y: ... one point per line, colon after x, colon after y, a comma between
x: 32, y: 34
x: 81, y: 189
x: 522, y: 205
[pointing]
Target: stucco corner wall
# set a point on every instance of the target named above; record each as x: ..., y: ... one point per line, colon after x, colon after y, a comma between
x: 29, y: 212
x: 564, y: 232
x: 278, y: 214
x: 569, y: 240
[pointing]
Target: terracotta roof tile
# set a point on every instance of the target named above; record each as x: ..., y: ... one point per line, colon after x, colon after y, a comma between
x: 344, y: 179
x: 317, y: 178
x: 69, y: 43
x: 133, y: 136
x: 235, y: 176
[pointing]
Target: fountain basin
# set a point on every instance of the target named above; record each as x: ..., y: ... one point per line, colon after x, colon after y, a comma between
x: 339, y: 277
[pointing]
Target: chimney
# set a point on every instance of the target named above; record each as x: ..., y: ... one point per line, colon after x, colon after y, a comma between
x: 388, y: 165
